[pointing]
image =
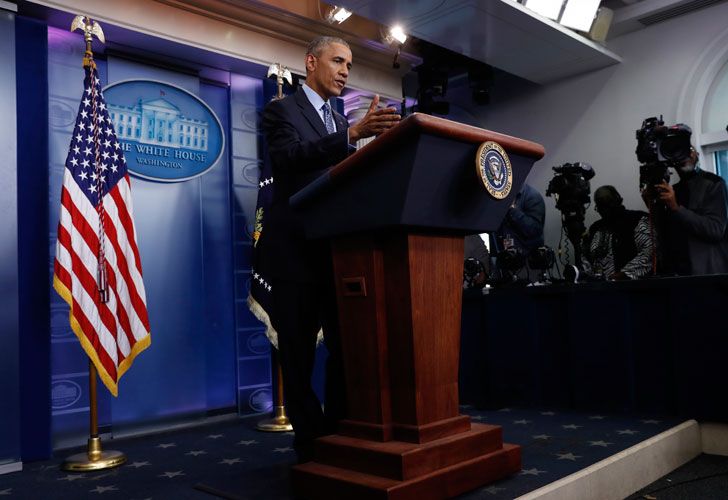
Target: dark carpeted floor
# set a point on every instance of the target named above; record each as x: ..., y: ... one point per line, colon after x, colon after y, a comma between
x: 231, y: 459
x: 705, y: 477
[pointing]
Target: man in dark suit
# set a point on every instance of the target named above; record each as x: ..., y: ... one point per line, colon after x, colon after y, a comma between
x: 305, y: 137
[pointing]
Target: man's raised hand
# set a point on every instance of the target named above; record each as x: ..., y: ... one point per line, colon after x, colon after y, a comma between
x: 374, y: 122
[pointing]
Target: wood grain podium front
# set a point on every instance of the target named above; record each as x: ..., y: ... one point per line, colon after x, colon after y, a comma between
x: 396, y: 213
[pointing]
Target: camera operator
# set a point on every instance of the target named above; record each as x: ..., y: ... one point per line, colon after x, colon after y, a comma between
x: 618, y: 246
x: 570, y: 186
x: 692, y: 218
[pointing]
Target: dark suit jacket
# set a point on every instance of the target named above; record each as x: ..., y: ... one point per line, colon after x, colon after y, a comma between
x: 300, y: 150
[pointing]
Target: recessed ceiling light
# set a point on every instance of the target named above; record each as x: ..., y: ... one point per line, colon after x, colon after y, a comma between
x: 547, y: 8
x: 579, y: 14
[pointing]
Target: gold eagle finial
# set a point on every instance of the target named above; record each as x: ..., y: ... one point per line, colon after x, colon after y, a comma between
x: 90, y: 29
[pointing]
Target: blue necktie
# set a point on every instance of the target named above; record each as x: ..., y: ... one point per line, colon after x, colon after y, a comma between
x: 328, y: 119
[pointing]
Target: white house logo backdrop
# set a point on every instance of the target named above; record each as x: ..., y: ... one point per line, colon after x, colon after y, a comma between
x: 167, y: 133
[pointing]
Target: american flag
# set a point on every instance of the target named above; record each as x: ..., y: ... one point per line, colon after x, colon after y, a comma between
x: 97, y: 269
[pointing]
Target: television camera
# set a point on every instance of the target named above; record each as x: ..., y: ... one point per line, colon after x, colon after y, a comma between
x: 570, y: 186
x: 659, y: 148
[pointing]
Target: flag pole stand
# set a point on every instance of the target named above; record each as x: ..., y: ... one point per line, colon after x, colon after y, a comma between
x: 94, y: 458
x: 279, y: 422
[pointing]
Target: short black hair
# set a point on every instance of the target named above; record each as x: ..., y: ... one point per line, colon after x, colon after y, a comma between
x: 613, y: 194
x: 317, y: 44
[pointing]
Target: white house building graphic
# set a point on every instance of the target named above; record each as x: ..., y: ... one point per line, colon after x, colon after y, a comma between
x: 159, y: 122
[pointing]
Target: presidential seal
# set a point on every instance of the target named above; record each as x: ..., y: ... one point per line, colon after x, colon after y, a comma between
x: 494, y: 169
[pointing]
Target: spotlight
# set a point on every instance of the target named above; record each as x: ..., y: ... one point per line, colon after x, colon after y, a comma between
x: 337, y: 15
x: 396, y: 34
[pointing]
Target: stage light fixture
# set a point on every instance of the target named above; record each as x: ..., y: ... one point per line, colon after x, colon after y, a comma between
x: 579, y: 14
x: 547, y: 8
x: 337, y: 15
x: 396, y: 34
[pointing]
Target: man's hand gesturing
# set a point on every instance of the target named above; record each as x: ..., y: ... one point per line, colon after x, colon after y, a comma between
x: 374, y: 122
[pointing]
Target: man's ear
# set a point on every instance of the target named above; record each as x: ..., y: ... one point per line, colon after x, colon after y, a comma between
x: 310, y: 62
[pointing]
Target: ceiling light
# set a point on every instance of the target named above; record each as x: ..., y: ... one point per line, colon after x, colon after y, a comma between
x: 579, y: 15
x: 396, y: 33
x: 338, y: 15
x: 547, y: 8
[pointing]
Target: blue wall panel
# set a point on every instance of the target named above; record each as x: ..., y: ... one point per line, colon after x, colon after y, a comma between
x: 218, y: 266
x: 9, y: 321
x: 253, y: 342
x: 254, y: 368
x: 32, y: 67
x: 169, y: 378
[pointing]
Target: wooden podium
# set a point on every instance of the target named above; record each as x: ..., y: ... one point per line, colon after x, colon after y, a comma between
x: 396, y: 212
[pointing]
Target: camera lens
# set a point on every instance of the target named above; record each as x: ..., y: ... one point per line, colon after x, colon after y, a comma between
x: 675, y: 147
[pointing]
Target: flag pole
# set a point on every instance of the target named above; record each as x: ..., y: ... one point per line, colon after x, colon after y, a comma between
x: 279, y: 422
x: 94, y: 458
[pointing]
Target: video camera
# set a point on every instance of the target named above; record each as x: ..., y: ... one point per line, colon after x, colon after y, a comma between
x: 571, y: 186
x: 659, y: 148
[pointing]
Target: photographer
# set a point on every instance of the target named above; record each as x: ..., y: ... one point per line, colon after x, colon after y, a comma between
x: 619, y: 245
x: 692, y: 218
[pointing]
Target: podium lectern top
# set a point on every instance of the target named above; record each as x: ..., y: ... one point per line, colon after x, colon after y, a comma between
x: 420, y: 173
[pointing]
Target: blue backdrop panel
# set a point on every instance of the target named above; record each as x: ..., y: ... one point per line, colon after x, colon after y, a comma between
x: 254, y: 371
x: 218, y: 266
x: 254, y: 365
x: 252, y: 342
x: 32, y: 67
x: 9, y: 322
x: 169, y: 378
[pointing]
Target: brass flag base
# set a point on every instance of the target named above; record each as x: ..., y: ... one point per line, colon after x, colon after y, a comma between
x: 279, y: 423
x: 94, y: 458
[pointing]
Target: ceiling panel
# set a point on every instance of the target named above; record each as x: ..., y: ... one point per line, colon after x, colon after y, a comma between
x: 501, y: 33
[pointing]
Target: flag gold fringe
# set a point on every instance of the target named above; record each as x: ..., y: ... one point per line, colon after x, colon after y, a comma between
x: 270, y: 332
x: 108, y: 381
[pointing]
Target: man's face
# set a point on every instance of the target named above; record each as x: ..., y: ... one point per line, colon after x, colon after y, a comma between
x: 690, y: 162
x: 327, y: 73
x: 605, y: 204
